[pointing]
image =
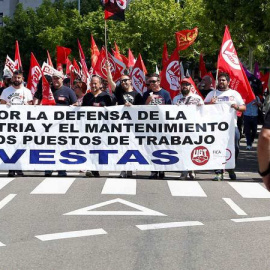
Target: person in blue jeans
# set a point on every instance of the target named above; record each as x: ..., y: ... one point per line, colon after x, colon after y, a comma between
x: 251, y: 121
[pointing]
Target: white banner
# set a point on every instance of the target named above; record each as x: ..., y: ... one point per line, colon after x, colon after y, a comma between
x: 163, y: 138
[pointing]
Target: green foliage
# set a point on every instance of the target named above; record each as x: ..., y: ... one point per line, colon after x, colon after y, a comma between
x: 149, y: 23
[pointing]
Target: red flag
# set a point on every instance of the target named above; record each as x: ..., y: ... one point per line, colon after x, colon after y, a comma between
x: 115, y: 9
x: 82, y: 56
x: 165, y: 55
x: 34, y: 75
x: 70, y: 71
x: 9, y: 65
x: 194, y: 88
x: 138, y: 76
x: 125, y: 59
x: 117, y: 53
x: 68, y: 67
x: 47, y: 95
x: 61, y: 54
x: 228, y: 62
x: 131, y: 59
x: 49, y: 60
x: 202, y: 68
x: 94, y: 52
x: 17, y: 60
x: 84, y: 70
x: 170, y: 75
x: 264, y: 79
x: 100, y: 67
x: 76, y: 66
x: 185, y: 38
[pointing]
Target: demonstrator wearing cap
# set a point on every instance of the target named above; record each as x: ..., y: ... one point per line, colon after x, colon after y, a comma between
x: 186, y: 97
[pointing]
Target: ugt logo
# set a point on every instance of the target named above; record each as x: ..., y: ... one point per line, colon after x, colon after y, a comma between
x: 200, y: 155
x: 229, y: 54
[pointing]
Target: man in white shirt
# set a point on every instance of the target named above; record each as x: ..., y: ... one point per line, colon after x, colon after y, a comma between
x: 16, y: 94
x: 186, y: 97
x: 226, y: 95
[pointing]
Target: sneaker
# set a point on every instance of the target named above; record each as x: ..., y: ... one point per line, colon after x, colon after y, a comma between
x: 184, y: 176
x: 218, y: 177
x: 232, y: 174
x: 11, y: 173
x: 161, y: 175
x: 154, y: 175
x: 129, y: 174
x: 62, y: 173
x: 88, y: 174
x: 96, y: 173
x: 192, y: 175
x: 248, y: 147
x: 48, y: 173
x: 20, y: 173
x: 123, y: 174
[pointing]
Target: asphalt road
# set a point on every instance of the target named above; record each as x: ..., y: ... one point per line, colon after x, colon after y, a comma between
x: 101, y: 223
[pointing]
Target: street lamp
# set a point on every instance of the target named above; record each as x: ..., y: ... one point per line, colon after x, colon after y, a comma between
x: 79, y: 6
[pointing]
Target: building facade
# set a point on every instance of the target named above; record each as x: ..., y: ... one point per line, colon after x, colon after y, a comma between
x: 7, y: 7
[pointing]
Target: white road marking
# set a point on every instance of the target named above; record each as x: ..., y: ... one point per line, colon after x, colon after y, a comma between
x: 119, y: 186
x: 186, y: 188
x: 5, y: 181
x: 168, y: 225
x: 54, y: 186
x: 251, y: 190
x: 143, y: 211
x: 73, y: 234
x: 6, y: 200
x: 251, y: 219
x: 235, y: 207
x: 2, y: 245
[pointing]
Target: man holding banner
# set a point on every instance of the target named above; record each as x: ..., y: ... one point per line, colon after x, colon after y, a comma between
x: 231, y: 97
x: 16, y: 94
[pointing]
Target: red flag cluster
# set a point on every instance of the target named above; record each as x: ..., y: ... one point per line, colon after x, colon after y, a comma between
x: 228, y: 62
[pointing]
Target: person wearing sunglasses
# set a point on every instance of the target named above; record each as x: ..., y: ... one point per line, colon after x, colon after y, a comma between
x: 125, y: 95
x: 156, y: 96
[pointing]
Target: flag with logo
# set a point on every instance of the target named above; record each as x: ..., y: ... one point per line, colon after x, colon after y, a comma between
x: 228, y: 62
x: 100, y: 67
x: 17, y: 59
x: 47, y: 95
x: 185, y: 38
x: 34, y: 75
x: 138, y: 76
x: 115, y: 9
x: 170, y: 75
x: 9, y: 66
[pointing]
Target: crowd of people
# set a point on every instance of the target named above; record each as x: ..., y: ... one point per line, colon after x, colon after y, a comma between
x: 14, y: 92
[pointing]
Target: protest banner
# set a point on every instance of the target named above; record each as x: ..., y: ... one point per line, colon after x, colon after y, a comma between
x: 146, y: 138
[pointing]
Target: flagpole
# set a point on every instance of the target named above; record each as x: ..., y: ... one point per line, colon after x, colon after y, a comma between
x: 106, y: 39
x: 216, y: 82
